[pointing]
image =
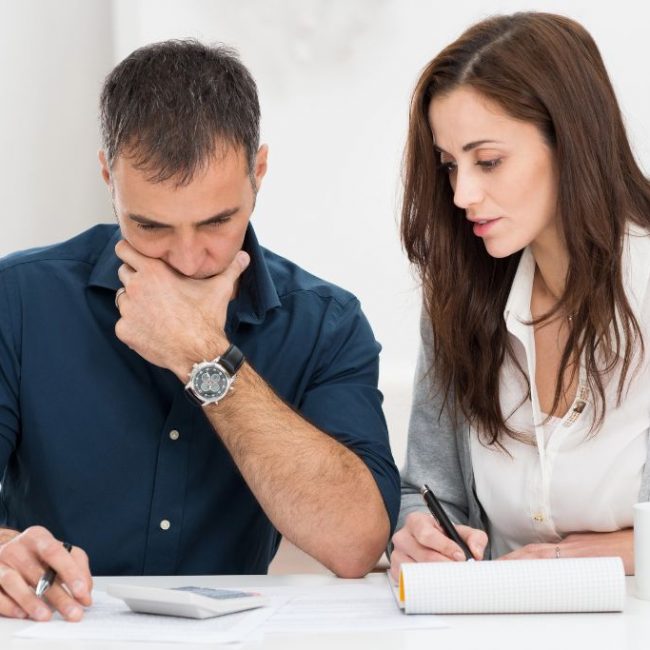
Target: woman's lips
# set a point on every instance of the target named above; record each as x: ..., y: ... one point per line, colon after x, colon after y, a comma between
x: 483, y: 227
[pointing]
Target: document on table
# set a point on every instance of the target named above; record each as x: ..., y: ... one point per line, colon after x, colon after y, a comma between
x: 346, y: 607
x: 109, y: 619
x: 352, y: 607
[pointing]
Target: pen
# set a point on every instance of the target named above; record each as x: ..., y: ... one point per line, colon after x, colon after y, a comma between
x: 48, y: 578
x: 437, y: 511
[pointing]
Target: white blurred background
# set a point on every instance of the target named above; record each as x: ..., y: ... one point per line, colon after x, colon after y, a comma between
x: 334, y: 79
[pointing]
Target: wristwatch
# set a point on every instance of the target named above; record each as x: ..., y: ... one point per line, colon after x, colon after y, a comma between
x: 210, y: 381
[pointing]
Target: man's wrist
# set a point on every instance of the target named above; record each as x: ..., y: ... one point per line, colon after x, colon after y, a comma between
x: 207, y: 352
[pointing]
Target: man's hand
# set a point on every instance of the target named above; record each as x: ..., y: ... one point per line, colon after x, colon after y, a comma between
x: 619, y: 543
x: 422, y: 540
x: 170, y: 320
x: 23, y: 561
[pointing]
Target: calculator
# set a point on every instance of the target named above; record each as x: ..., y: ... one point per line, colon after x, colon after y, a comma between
x: 187, y: 602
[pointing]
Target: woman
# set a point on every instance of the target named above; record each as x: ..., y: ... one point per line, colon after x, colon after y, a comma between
x: 527, y: 218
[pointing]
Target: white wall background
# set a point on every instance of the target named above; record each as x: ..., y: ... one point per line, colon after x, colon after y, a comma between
x: 334, y: 78
x: 53, y: 58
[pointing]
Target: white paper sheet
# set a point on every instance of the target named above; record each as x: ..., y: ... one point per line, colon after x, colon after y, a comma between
x: 340, y: 608
x: 351, y: 607
x: 109, y: 619
x: 594, y: 584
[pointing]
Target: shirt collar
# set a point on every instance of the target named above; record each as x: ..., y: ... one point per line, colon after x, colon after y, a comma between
x: 635, y: 264
x: 257, y: 292
x: 518, y: 303
x: 104, y: 273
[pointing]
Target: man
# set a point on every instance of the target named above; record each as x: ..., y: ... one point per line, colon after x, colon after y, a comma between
x: 120, y: 429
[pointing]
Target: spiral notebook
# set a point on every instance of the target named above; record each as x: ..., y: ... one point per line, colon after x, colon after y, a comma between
x: 513, y: 586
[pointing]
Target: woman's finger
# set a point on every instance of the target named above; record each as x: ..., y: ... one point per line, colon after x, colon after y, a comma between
x: 397, y: 558
x: 428, y: 534
x: 475, y: 539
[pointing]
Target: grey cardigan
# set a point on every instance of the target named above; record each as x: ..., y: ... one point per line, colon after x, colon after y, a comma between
x: 438, y: 453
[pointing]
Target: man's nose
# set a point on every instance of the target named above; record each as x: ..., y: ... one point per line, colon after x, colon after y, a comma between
x: 186, y: 257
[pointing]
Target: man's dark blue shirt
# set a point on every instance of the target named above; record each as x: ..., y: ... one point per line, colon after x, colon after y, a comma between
x: 107, y: 452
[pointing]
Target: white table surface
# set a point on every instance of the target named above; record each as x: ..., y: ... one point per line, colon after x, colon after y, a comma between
x: 629, y: 630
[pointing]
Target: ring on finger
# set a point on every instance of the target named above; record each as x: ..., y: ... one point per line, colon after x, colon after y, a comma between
x: 118, y: 295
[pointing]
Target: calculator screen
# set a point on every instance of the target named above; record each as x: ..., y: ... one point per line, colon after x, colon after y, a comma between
x: 217, y: 594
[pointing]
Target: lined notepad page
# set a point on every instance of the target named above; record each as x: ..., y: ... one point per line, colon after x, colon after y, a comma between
x: 514, y: 586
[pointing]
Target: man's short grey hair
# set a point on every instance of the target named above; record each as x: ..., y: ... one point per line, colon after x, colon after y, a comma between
x: 171, y: 107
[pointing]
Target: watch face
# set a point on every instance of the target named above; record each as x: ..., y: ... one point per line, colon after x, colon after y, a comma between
x: 211, y: 382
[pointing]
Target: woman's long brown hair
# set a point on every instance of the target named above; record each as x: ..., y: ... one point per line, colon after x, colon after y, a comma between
x: 546, y: 70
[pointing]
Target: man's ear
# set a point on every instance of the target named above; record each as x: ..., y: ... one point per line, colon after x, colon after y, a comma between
x: 106, y: 172
x: 261, y: 165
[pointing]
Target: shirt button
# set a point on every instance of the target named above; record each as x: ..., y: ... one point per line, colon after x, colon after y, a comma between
x: 538, y: 517
x: 164, y: 524
x: 174, y: 435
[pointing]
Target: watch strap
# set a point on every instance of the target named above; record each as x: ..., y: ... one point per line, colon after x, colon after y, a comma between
x: 191, y: 395
x: 232, y: 359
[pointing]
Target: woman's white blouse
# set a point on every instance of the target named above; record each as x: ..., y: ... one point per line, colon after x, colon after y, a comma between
x: 567, y: 480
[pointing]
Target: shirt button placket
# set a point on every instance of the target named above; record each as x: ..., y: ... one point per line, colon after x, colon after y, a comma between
x: 166, y: 514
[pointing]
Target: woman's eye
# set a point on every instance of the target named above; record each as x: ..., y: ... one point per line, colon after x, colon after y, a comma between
x: 448, y: 167
x: 488, y: 165
x: 147, y: 226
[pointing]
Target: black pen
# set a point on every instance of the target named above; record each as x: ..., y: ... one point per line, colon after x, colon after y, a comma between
x: 441, y: 516
x: 49, y: 576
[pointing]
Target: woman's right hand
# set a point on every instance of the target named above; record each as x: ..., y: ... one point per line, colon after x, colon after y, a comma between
x: 422, y: 540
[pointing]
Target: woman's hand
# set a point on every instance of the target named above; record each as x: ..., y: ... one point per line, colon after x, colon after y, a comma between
x: 619, y: 543
x: 422, y: 540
